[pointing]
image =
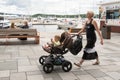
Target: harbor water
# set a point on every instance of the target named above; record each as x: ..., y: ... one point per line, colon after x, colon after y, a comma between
x: 46, y: 28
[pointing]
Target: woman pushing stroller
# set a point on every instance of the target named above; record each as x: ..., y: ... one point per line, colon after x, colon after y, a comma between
x: 89, y: 52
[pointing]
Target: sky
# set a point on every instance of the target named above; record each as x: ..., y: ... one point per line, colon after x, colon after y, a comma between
x: 49, y: 6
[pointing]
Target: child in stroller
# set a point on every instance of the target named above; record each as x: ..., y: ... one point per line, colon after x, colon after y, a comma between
x: 56, y: 53
x: 54, y: 42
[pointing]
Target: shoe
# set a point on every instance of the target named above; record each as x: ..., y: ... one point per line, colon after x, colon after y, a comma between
x: 78, y: 65
x: 96, y: 63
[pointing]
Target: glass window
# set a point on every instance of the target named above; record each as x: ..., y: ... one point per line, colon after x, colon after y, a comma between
x: 112, y: 14
x: 1, y: 18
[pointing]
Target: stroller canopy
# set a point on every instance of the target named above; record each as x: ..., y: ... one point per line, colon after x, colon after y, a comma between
x: 74, y: 46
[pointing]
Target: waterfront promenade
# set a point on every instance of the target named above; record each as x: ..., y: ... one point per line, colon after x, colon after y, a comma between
x: 20, y: 61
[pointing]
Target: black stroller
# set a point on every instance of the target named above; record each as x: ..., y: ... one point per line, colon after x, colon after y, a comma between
x: 56, y: 55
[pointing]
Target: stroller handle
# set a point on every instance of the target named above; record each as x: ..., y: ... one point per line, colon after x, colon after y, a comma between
x: 78, y: 35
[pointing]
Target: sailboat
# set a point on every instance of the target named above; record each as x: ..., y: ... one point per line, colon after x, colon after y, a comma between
x: 3, y: 22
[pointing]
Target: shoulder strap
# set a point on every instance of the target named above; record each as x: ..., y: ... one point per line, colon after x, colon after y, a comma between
x: 85, y: 22
x: 91, y: 21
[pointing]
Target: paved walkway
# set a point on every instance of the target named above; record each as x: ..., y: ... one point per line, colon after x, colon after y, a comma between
x: 20, y: 62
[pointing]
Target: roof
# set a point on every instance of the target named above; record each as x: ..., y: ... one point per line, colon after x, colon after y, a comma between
x: 109, y: 3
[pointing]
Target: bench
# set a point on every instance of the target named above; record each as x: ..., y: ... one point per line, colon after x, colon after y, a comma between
x: 19, y: 33
x: 75, y: 30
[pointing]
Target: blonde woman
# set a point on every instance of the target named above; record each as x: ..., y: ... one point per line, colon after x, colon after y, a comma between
x: 13, y: 26
x: 90, y: 27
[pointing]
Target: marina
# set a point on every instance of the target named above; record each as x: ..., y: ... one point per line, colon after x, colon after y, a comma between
x: 28, y: 25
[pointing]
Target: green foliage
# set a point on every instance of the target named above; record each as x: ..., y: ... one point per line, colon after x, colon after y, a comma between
x: 61, y: 16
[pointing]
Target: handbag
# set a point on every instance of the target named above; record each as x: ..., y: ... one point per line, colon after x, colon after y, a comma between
x: 90, y: 54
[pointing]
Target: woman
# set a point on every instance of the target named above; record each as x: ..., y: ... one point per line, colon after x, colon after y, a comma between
x: 25, y: 26
x: 13, y: 26
x: 90, y: 27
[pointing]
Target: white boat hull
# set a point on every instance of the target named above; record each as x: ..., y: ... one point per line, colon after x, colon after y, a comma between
x: 65, y: 26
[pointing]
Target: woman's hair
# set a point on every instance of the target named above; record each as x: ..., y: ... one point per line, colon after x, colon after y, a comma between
x: 91, y: 13
x: 26, y: 23
x: 12, y: 25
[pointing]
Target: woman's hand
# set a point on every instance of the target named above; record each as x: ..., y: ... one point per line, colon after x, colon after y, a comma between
x: 101, y: 42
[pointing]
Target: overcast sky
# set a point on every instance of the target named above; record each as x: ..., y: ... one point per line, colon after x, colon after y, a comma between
x: 49, y: 6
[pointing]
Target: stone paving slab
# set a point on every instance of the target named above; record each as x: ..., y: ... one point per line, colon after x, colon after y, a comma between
x: 34, y: 73
x: 35, y: 77
x: 96, y: 73
x: 114, y: 75
x: 5, y: 78
x: 80, y: 72
x: 48, y: 79
x: 103, y: 79
x: 5, y: 56
x: 86, y: 77
x: 8, y: 65
x: 68, y: 76
x: 108, y: 78
x: 18, y: 76
x: 53, y: 76
x: 5, y: 73
x: 27, y: 68
x: 23, y: 62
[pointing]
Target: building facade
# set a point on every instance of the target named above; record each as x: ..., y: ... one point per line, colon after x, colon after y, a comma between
x: 110, y: 13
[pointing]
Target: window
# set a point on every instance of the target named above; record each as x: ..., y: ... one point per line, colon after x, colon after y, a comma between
x: 113, y: 14
x: 1, y: 18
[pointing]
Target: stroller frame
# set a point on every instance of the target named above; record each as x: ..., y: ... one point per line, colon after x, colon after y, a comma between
x: 56, y: 59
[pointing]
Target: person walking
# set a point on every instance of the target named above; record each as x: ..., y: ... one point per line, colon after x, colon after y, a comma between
x: 90, y: 27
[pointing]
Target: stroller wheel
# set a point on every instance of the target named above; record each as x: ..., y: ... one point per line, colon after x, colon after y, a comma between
x: 62, y: 56
x: 42, y: 60
x: 67, y: 66
x: 48, y: 67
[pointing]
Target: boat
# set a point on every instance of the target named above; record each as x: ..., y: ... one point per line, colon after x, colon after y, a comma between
x: 4, y: 24
x: 6, y: 20
x: 67, y: 26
